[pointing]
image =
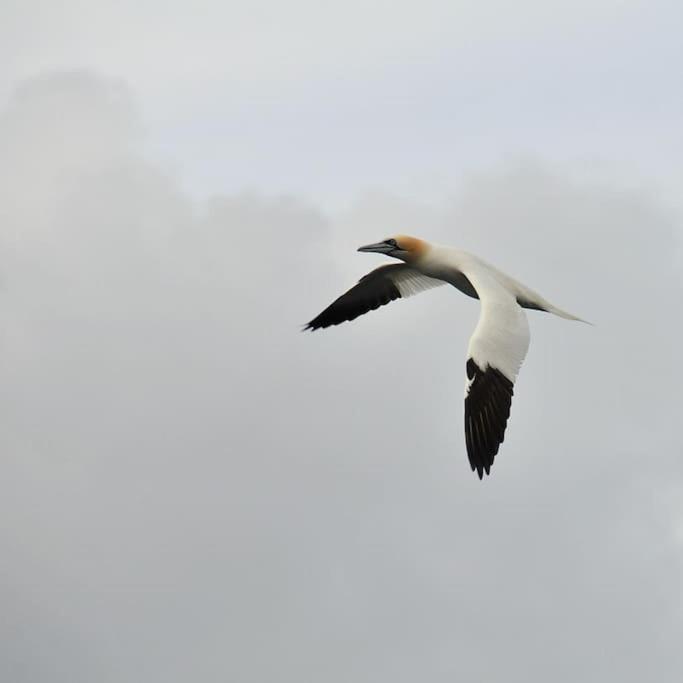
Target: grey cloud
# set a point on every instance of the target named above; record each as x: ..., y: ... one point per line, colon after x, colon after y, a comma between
x: 192, y: 489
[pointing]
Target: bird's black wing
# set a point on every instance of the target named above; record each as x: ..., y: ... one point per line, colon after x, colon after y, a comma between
x: 487, y: 409
x: 377, y: 288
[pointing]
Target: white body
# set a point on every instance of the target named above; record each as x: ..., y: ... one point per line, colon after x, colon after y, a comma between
x: 501, y: 337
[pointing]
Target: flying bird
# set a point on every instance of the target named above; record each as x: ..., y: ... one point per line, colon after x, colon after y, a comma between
x: 500, y: 340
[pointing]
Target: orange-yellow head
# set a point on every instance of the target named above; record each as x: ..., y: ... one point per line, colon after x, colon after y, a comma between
x: 408, y: 249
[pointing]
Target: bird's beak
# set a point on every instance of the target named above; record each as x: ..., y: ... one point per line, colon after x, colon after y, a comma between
x: 378, y: 248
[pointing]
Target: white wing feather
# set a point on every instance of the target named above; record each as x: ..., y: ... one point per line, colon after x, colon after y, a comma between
x: 501, y: 337
x: 411, y: 281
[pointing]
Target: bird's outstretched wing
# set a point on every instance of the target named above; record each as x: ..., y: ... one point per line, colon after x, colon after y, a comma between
x: 377, y: 288
x: 495, y: 354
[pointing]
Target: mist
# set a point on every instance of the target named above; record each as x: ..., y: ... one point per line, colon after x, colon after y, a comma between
x: 192, y: 488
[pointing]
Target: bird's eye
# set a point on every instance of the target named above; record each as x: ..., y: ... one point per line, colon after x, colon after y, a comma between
x: 391, y: 242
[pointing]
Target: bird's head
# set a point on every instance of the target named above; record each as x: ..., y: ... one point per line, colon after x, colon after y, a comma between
x: 408, y: 249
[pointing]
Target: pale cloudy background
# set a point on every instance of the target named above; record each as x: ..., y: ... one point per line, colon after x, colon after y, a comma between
x: 191, y: 489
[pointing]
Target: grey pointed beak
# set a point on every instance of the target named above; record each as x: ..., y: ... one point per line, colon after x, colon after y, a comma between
x: 377, y: 248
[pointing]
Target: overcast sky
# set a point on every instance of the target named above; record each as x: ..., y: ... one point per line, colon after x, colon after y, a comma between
x: 190, y: 488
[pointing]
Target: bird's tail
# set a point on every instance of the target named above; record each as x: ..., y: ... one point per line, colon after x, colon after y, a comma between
x: 563, y: 314
x: 527, y: 298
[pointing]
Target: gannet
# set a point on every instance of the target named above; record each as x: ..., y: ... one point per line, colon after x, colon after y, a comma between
x: 500, y: 340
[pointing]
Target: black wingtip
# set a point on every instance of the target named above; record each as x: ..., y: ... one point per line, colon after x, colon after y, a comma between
x: 487, y: 409
x: 373, y: 290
